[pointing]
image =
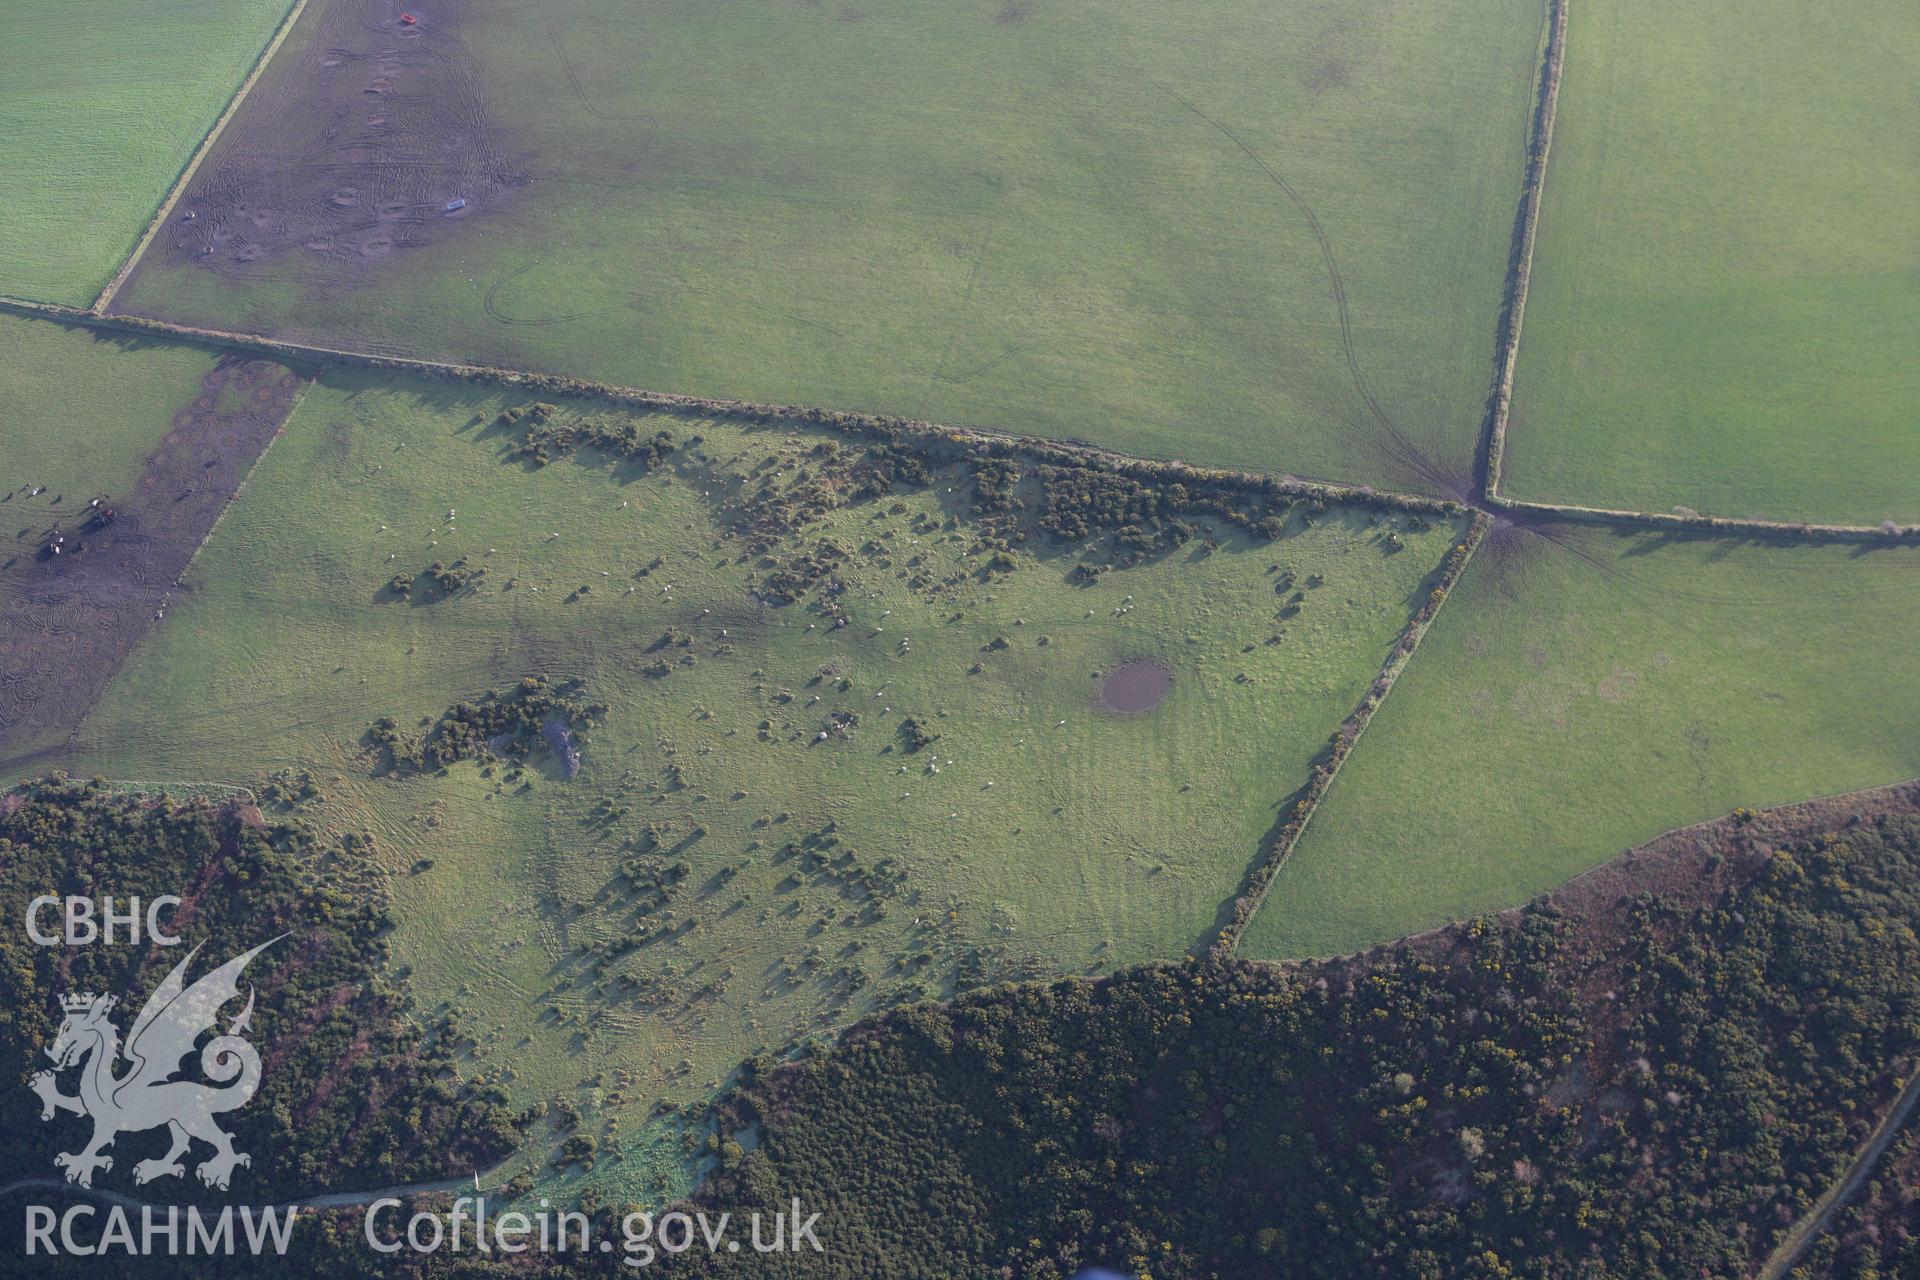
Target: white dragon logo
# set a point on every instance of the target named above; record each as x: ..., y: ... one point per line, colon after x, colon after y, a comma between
x: 146, y: 1096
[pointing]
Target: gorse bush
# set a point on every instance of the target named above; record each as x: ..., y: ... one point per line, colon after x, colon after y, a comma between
x: 501, y: 724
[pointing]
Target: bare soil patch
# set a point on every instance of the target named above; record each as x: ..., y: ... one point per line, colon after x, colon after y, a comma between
x: 374, y: 140
x: 68, y: 621
x: 1135, y: 688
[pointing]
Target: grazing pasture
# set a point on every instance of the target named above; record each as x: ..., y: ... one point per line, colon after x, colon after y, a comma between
x: 1580, y: 695
x: 104, y: 104
x: 82, y: 409
x: 123, y: 454
x: 780, y: 822
x: 1724, y: 306
x: 680, y: 741
x: 1254, y: 235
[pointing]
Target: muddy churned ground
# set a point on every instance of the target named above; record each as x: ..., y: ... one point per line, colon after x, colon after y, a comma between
x: 1135, y: 688
x: 374, y: 140
x: 68, y: 621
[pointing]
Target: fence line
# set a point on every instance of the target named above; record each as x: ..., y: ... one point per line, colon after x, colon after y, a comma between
x: 172, y: 198
x: 1260, y: 876
x: 1520, y: 269
x: 851, y: 422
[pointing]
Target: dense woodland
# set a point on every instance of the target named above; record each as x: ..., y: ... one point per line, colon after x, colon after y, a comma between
x: 1632, y: 1081
x: 353, y: 1095
x: 1875, y: 1235
x: 1653, y: 1089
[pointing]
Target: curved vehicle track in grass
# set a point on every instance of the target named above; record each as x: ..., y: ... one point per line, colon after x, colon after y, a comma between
x: 1401, y: 450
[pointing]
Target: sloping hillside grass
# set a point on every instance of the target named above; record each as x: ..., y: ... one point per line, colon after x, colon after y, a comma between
x: 1213, y: 233
x: 1723, y: 308
x: 753, y: 848
x: 84, y: 409
x: 1579, y: 697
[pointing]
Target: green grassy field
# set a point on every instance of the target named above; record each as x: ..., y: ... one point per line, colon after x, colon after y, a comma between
x: 1037, y: 834
x: 83, y: 410
x: 1723, y: 309
x: 1565, y: 707
x: 1064, y: 219
x: 104, y: 104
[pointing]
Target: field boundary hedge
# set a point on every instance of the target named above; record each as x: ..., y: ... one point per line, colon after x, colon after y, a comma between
x: 213, y: 133
x: 1777, y: 530
x: 1507, y: 355
x: 1507, y: 349
x: 1067, y: 451
x: 1520, y: 264
x: 1341, y: 744
x: 847, y: 422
